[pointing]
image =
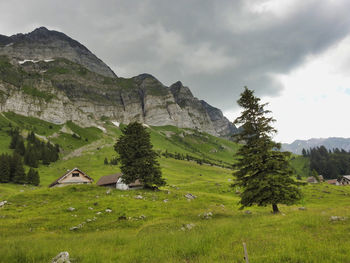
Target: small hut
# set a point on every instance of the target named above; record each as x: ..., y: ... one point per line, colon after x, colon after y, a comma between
x: 116, y: 181
x: 74, y: 176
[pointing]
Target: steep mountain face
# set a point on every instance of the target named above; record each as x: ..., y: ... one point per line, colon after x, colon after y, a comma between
x: 44, y: 44
x: 58, y: 88
x: 330, y: 144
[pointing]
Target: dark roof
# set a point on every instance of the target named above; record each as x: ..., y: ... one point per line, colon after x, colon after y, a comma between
x: 109, y: 179
x: 113, y: 179
x: 75, y: 169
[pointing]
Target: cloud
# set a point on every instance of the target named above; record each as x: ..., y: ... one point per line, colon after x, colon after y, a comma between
x: 214, y: 47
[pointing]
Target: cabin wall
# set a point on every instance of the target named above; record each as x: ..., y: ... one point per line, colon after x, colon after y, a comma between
x: 70, y: 179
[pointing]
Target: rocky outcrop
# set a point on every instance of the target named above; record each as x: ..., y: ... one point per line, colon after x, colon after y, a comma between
x: 44, y: 44
x: 74, y: 87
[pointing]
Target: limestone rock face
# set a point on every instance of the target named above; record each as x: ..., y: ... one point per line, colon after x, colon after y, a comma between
x: 44, y: 44
x: 77, y: 86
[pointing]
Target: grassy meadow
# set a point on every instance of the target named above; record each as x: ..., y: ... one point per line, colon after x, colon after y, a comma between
x: 163, y: 226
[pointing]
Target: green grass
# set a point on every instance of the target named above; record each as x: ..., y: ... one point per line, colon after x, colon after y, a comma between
x: 34, y: 226
x: 31, y: 124
x: 37, y: 93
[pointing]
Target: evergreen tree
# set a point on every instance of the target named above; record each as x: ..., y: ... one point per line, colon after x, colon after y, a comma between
x: 105, y: 161
x: 138, y: 159
x: 4, y: 168
x: 20, y: 148
x: 13, y: 161
x: 262, y: 171
x: 31, y: 157
x: 33, y: 177
x: 19, y: 176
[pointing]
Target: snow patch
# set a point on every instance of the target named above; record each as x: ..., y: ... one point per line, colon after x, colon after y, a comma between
x: 34, y: 61
x: 101, y: 128
x: 115, y: 123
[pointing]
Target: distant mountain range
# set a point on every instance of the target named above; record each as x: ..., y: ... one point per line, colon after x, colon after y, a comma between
x: 48, y: 75
x: 330, y: 143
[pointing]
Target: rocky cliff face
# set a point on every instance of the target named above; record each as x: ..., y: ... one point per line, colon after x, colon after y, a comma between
x: 44, y: 44
x: 63, y: 89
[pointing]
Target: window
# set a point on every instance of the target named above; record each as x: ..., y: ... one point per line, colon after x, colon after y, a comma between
x: 75, y: 174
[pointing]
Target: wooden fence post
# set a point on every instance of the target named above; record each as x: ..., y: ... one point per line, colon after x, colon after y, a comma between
x: 245, y: 253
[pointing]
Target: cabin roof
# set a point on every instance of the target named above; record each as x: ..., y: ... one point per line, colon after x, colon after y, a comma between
x: 113, y: 179
x: 67, y: 173
x: 109, y: 179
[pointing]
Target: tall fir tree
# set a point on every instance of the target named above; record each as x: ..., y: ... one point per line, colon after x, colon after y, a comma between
x: 138, y: 159
x: 262, y: 171
x: 4, y: 168
x: 33, y: 177
x: 19, y: 176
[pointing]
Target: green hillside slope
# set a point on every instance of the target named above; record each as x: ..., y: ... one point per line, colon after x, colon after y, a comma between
x: 163, y: 226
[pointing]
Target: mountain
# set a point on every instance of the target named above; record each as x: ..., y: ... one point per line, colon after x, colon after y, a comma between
x: 48, y: 75
x: 330, y: 144
x: 44, y: 44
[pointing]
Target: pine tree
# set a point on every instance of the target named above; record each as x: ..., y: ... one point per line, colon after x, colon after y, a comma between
x: 262, y: 171
x: 138, y: 159
x: 33, y: 177
x: 20, y: 148
x: 4, y: 168
x: 105, y: 161
x: 19, y: 176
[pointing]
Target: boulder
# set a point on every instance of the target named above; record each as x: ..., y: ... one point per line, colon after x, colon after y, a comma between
x: 62, y: 257
x: 190, y: 196
x: 3, y: 203
x: 71, y: 209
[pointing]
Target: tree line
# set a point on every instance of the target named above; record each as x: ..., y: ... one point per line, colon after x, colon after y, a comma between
x: 12, y: 171
x: 34, y: 150
x: 329, y: 163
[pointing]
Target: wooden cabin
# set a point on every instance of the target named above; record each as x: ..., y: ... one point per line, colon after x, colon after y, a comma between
x: 116, y: 181
x: 74, y: 176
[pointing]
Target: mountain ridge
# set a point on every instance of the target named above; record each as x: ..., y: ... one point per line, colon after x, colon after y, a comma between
x: 330, y: 143
x: 40, y: 84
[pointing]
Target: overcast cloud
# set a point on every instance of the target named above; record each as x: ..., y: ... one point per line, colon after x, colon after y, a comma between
x: 214, y: 47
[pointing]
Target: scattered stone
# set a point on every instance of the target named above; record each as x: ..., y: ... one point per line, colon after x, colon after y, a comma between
x: 88, y: 220
x: 302, y: 208
x: 230, y: 180
x: 108, y: 192
x: 168, y: 192
x: 70, y: 209
x: 238, y: 192
x: 190, y: 196
x: 3, y: 203
x: 223, y: 206
x: 142, y: 217
x: 62, y: 257
x: 248, y: 212
x: 95, y: 204
x: 337, y: 218
x: 74, y: 228
x: 139, y: 197
x: 90, y: 208
x: 165, y: 200
x: 97, y: 196
x: 190, y: 226
x: 122, y: 218
x: 108, y: 210
x: 98, y: 213
x: 206, y: 216
x: 21, y: 191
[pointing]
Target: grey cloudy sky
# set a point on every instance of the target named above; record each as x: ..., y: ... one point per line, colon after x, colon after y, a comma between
x: 214, y: 47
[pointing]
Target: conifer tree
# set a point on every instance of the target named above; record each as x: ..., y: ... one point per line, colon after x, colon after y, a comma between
x: 4, y: 168
x: 33, y: 177
x: 19, y: 176
x: 262, y: 171
x: 138, y: 159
